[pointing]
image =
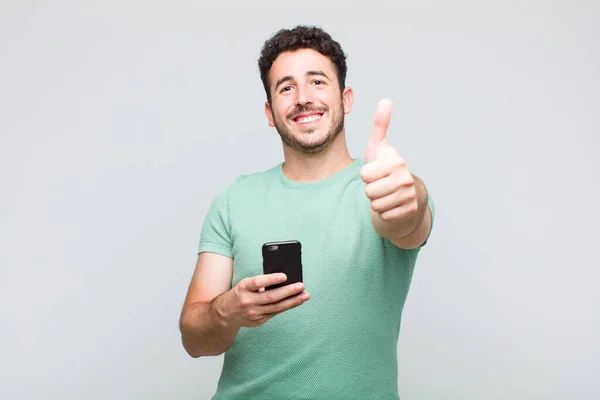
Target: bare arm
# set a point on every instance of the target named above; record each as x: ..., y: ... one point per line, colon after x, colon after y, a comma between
x: 203, y: 330
x: 214, y: 312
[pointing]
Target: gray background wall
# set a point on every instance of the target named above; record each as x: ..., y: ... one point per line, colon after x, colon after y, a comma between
x: 120, y: 120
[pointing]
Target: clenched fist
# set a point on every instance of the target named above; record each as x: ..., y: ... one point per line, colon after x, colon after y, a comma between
x: 389, y: 184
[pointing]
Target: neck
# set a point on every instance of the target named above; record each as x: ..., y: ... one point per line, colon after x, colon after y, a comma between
x: 302, y: 167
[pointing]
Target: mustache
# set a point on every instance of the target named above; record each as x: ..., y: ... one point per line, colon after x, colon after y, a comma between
x: 306, y: 109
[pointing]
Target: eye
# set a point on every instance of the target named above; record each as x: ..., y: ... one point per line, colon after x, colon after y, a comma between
x: 317, y: 82
x: 286, y: 89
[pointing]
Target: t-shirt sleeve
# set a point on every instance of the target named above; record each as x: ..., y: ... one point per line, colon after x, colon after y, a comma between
x: 215, y: 236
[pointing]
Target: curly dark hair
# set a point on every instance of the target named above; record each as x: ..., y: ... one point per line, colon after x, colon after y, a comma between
x: 301, y: 37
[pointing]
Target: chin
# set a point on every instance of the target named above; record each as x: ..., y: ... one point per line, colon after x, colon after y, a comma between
x: 308, y: 140
x: 315, y: 145
x: 313, y: 138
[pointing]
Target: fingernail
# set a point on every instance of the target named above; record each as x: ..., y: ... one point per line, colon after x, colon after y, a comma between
x: 299, y: 285
x: 305, y: 296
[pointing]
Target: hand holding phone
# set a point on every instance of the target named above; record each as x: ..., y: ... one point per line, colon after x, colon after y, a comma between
x: 255, y: 300
x: 249, y: 305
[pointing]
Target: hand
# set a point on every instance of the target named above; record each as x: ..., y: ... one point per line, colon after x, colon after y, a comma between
x: 249, y: 304
x: 390, y: 185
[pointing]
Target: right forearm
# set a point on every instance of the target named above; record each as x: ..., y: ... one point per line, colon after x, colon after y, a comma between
x: 204, y: 331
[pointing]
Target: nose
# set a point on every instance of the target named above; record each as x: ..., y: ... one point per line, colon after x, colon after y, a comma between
x: 303, y: 95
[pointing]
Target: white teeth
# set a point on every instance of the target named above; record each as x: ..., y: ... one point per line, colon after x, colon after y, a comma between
x: 306, y: 120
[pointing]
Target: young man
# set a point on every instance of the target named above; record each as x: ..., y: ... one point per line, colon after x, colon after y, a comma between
x: 361, y: 225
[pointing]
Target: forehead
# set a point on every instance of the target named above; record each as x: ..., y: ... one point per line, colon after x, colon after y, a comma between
x: 296, y: 63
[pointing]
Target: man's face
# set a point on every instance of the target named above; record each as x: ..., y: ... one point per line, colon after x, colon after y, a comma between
x: 307, y: 108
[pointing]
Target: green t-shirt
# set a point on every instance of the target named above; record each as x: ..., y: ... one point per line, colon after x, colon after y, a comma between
x: 342, y: 343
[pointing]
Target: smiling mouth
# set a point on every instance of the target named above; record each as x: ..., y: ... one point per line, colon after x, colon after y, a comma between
x: 308, y: 119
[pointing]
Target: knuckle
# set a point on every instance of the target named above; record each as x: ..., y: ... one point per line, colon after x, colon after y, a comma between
x: 404, y: 182
x: 397, y: 162
x: 413, y: 207
x: 407, y: 201
x: 245, y: 302
x: 407, y: 178
x: 363, y: 174
x: 376, y: 206
x: 271, y: 296
x: 412, y: 194
x: 238, y: 289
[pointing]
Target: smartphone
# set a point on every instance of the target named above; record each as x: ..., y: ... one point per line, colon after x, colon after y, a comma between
x: 283, y: 256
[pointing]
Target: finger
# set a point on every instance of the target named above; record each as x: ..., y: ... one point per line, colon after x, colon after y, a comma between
x: 381, y: 167
x: 387, y: 203
x: 382, y: 187
x: 400, y: 212
x: 286, y: 304
x: 260, y: 281
x: 387, y: 161
x: 280, y: 293
x: 381, y: 122
x: 374, y: 171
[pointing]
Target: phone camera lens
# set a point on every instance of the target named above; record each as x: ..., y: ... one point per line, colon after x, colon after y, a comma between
x: 273, y: 248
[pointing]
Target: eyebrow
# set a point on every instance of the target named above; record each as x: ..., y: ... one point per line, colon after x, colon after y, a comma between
x: 308, y: 73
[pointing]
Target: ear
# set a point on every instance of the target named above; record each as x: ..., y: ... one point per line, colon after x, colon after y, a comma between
x: 347, y: 99
x: 269, y: 114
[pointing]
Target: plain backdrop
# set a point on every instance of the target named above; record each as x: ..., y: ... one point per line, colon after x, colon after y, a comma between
x: 120, y: 121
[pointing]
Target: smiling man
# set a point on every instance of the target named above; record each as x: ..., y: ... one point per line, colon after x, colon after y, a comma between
x: 361, y: 223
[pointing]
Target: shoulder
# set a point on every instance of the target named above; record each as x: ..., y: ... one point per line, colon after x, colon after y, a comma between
x: 253, y: 179
x: 245, y: 184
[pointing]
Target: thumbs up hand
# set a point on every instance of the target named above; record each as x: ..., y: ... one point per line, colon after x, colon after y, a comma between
x: 390, y: 186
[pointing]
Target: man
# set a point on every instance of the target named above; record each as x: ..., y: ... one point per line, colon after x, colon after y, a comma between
x: 361, y: 225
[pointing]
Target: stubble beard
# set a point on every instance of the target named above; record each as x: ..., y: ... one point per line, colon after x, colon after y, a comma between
x: 337, y: 125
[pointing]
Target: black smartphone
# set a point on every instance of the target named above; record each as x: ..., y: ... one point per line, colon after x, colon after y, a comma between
x: 283, y: 256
